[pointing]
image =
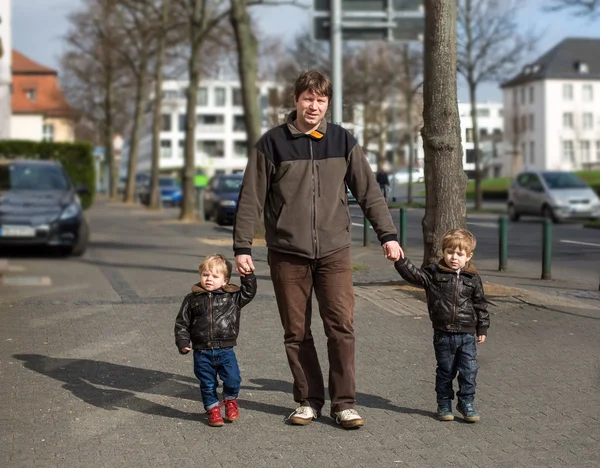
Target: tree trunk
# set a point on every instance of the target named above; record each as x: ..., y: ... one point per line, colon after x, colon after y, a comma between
x: 138, y: 120
x: 411, y: 145
x: 445, y: 181
x: 478, y: 191
x: 154, y: 193
x: 247, y: 47
x: 113, y: 172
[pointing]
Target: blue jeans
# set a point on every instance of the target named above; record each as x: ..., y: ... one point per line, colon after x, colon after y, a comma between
x: 208, y: 363
x: 455, y: 353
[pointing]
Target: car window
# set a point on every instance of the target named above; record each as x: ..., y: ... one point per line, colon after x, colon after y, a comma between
x: 523, y: 180
x: 535, y: 184
x: 32, y: 177
x: 563, y: 180
x: 229, y: 185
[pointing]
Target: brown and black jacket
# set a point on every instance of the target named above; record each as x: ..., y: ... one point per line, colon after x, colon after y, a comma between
x: 299, y: 181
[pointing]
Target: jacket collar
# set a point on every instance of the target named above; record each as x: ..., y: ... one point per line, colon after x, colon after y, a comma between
x: 228, y: 288
x: 315, y: 134
x: 468, y: 268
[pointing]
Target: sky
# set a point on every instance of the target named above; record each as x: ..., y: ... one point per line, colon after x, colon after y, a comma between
x: 40, y: 25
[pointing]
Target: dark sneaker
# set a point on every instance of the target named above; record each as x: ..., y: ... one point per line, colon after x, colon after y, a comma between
x: 444, y: 412
x: 348, y: 418
x: 214, y: 417
x: 468, y: 412
x: 231, y: 409
x: 302, y: 416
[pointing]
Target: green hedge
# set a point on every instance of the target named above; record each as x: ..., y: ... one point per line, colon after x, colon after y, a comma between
x: 76, y: 158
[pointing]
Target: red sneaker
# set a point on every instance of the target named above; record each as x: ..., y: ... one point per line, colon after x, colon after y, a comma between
x: 214, y: 417
x: 231, y: 409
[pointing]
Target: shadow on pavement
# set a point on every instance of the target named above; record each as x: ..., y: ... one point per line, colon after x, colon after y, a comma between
x: 139, y: 266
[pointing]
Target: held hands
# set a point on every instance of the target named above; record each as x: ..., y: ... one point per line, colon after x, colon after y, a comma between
x: 481, y: 339
x: 392, y: 251
x: 185, y: 350
x: 244, y: 264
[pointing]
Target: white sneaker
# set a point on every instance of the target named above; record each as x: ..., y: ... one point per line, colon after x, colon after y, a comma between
x: 348, y: 418
x: 302, y: 416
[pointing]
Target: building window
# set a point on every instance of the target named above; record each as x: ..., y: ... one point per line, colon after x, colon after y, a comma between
x: 170, y: 94
x: 515, y: 96
x: 524, y: 151
x: 220, y: 97
x: 531, y: 122
x: 469, y: 135
x: 239, y: 125
x: 598, y: 150
x: 531, y: 152
x: 568, y: 120
x: 585, y: 147
x: 237, y: 97
x: 181, y: 148
x: 588, y: 120
x: 240, y: 149
x: 587, y: 93
x: 210, y: 119
x: 182, y: 122
x: 48, y: 132
x: 483, y: 132
x: 568, y: 152
x: 483, y: 112
x: 523, y: 123
x: 165, y: 149
x: 531, y: 94
x: 568, y: 92
x: 522, y: 95
x: 165, y: 125
x: 497, y: 131
x: 203, y: 97
x: 470, y: 156
x: 212, y: 148
x: 31, y: 94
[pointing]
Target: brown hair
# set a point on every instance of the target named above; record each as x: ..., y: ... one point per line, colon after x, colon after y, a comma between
x: 218, y: 263
x: 459, y: 239
x: 315, y: 82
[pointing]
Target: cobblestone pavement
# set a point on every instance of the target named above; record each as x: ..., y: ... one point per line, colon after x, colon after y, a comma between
x: 90, y: 376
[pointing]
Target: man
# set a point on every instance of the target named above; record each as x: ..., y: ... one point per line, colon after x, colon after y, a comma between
x: 298, y: 175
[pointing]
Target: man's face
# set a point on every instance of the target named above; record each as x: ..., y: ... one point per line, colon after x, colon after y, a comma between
x: 311, y: 109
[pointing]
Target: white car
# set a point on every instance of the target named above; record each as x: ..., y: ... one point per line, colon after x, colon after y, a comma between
x: 401, y: 177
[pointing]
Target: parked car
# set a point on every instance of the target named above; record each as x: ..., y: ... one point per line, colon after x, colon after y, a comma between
x: 40, y: 206
x: 221, y: 198
x: 401, y: 177
x: 555, y: 195
x: 142, y: 180
x: 170, y: 192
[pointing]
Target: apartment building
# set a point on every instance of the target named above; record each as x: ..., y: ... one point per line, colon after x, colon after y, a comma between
x: 5, y: 68
x: 552, y: 117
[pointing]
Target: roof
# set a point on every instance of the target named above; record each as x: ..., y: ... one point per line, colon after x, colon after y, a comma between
x: 571, y: 59
x: 23, y: 65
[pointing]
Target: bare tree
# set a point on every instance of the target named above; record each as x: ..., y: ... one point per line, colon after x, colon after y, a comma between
x: 589, y: 8
x: 490, y: 46
x: 445, y: 180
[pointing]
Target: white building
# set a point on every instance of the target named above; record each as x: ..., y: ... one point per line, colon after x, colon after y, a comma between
x: 5, y: 68
x: 552, y: 117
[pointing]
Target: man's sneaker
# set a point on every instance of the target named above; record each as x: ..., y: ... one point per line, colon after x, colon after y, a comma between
x: 214, y: 417
x: 444, y: 412
x: 231, y: 409
x: 348, y: 418
x: 468, y: 411
x: 302, y: 416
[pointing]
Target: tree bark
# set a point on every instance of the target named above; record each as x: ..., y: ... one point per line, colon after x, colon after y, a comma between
x: 478, y: 190
x: 445, y: 180
x: 154, y: 194
x: 113, y: 173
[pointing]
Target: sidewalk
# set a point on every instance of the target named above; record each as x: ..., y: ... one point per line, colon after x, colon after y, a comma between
x: 91, y: 377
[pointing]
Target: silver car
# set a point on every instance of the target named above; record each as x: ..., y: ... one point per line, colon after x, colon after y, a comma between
x: 555, y: 195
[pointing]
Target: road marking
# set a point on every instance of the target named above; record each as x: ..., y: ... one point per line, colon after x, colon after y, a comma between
x: 579, y: 243
x: 486, y: 225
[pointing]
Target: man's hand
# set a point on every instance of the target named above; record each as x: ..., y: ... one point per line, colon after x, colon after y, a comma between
x: 481, y: 339
x: 392, y: 251
x: 244, y: 265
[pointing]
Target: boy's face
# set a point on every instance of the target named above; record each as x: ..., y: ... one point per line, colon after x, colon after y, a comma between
x: 456, y: 258
x: 212, y: 280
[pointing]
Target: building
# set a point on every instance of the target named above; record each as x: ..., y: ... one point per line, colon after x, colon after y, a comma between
x: 552, y: 117
x: 5, y: 67
x: 39, y: 109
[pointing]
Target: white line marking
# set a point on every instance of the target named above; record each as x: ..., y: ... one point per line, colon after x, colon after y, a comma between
x: 579, y: 243
x: 486, y: 225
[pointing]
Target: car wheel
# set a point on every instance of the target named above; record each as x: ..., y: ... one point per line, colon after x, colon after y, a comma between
x: 512, y: 213
x: 80, y: 246
x: 548, y: 213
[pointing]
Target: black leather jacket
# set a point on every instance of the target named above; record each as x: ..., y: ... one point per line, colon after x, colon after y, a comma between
x: 455, y: 298
x: 211, y: 320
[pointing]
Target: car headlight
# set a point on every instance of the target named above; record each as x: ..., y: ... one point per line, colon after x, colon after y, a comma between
x: 71, y: 211
x: 227, y: 203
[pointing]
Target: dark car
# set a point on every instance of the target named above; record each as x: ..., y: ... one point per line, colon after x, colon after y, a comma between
x: 40, y: 206
x: 221, y: 198
x: 170, y: 192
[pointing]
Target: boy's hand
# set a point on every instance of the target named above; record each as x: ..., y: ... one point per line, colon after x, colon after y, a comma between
x: 481, y: 339
x: 185, y: 350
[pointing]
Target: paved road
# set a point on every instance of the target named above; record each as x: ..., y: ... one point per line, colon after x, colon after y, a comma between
x: 89, y: 375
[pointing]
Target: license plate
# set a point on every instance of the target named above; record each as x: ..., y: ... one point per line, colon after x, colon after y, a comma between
x: 17, y: 231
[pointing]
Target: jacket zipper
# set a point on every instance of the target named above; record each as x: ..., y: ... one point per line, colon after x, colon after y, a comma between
x: 312, y: 158
x: 454, y: 300
x: 210, y: 308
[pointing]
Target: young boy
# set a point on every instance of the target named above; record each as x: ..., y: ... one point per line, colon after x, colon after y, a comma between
x: 209, y: 321
x: 458, y: 312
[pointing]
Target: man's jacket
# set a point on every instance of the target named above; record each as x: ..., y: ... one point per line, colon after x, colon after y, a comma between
x: 211, y: 319
x: 299, y: 182
x: 455, y: 298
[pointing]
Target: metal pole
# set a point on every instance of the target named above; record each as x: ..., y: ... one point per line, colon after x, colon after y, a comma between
x: 336, y: 60
x: 403, y: 228
x: 547, y: 250
x: 366, y: 226
x: 502, y: 243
